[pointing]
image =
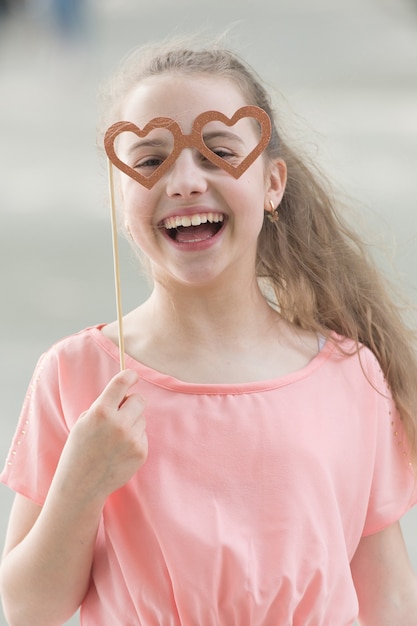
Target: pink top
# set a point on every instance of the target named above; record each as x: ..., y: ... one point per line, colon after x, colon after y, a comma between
x: 254, y: 496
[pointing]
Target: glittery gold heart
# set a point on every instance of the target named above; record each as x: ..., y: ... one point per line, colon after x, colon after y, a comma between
x: 158, y: 122
x: 247, y: 111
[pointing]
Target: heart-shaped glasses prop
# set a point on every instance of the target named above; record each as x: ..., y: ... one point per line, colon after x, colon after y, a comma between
x: 179, y: 141
x: 194, y: 140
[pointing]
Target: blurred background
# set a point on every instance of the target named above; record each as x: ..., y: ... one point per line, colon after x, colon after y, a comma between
x: 345, y: 75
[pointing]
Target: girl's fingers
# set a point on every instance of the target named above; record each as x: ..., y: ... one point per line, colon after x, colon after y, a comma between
x: 132, y: 405
x: 115, y: 392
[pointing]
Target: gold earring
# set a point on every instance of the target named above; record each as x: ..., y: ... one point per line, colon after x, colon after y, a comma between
x: 273, y: 214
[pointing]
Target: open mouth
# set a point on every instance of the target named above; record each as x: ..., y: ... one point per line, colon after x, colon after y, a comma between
x: 193, y: 228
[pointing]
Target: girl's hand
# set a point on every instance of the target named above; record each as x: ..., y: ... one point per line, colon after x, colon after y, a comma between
x: 107, y: 445
x: 50, y: 549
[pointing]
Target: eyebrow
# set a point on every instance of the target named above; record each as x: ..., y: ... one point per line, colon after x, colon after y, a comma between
x: 223, y: 133
x: 148, y: 143
x: 160, y: 143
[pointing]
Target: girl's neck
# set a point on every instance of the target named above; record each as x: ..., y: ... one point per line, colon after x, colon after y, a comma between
x: 210, y: 315
x: 213, y: 336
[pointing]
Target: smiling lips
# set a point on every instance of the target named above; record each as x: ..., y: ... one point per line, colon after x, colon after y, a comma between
x: 193, y: 228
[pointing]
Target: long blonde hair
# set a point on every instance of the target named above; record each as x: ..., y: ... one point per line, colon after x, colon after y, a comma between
x: 320, y: 272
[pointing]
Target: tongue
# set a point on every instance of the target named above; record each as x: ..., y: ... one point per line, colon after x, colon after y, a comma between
x: 195, y: 233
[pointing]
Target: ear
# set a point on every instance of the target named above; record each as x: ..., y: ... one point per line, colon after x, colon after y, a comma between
x: 275, y: 182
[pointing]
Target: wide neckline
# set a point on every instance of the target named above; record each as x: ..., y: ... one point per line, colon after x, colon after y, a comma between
x: 170, y: 382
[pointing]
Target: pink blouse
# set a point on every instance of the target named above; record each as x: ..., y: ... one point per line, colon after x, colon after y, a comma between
x: 253, y: 498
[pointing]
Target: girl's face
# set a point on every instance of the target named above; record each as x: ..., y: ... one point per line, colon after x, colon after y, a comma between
x: 197, y: 224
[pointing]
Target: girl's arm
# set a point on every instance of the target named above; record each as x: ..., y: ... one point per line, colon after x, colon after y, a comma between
x: 385, y: 581
x: 47, y: 560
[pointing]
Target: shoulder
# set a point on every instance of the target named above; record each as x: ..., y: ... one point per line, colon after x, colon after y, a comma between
x: 350, y: 370
x: 357, y: 357
x: 75, y: 363
x: 79, y: 347
x: 80, y: 340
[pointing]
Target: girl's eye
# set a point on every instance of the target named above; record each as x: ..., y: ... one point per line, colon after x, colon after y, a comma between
x: 225, y: 154
x: 222, y: 153
x: 149, y: 163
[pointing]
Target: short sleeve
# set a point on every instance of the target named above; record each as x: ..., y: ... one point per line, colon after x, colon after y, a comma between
x: 40, y: 435
x: 393, y: 489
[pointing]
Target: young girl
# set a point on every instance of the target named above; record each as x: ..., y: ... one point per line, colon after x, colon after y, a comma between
x: 275, y: 375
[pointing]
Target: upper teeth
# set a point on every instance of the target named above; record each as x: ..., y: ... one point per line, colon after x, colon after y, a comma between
x: 192, y: 220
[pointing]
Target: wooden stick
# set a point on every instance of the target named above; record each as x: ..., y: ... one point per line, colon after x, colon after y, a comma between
x: 116, y: 266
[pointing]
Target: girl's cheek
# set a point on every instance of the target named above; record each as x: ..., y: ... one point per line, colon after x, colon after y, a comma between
x: 132, y: 200
x: 138, y: 213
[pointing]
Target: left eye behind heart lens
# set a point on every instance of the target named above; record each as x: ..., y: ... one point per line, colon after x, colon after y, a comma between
x: 144, y: 154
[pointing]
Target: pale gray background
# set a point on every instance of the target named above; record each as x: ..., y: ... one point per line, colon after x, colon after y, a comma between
x: 347, y: 69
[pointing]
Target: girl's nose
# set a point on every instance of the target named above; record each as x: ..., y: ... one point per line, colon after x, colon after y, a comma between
x: 186, y: 177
